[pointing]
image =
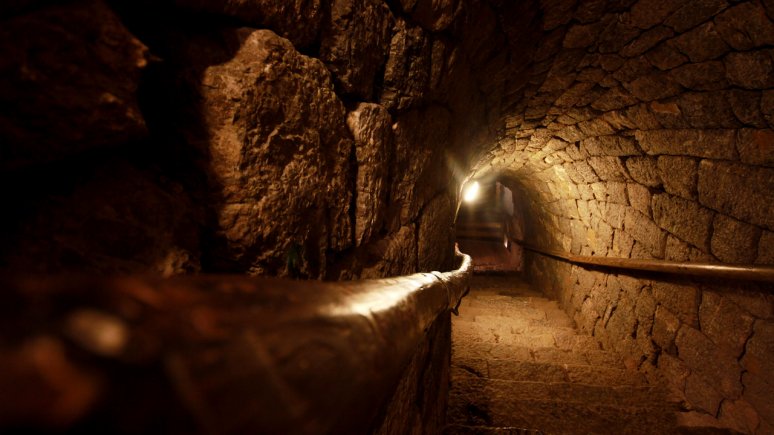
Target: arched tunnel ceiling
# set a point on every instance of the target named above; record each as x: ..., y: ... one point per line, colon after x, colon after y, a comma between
x: 643, y: 130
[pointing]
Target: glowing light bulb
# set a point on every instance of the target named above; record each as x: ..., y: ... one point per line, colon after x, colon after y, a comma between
x: 471, y: 192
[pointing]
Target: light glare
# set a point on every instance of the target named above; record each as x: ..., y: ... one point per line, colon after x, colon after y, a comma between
x: 471, y: 192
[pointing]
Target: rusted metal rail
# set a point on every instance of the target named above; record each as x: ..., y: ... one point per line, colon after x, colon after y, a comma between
x: 211, y: 354
x: 746, y: 272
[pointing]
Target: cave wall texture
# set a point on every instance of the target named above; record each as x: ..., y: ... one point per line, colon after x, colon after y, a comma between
x: 328, y: 139
x: 307, y: 139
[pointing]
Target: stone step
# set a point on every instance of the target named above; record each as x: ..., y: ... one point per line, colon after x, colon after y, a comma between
x: 554, y: 316
x: 571, y: 418
x: 459, y: 429
x: 545, y: 318
x: 549, y: 372
x: 521, y: 333
x: 473, y: 389
x: 513, y: 326
x: 487, y: 350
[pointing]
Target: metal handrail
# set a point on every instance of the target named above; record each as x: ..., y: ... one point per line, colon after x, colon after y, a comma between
x: 747, y: 272
x: 235, y: 354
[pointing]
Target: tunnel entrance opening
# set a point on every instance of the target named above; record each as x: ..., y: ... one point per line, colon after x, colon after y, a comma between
x: 486, y: 227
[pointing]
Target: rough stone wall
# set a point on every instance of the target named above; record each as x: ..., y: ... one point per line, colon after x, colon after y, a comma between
x: 418, y: 405
x: 644, y: 132
x: 318, y: 139
x: 328, y: 139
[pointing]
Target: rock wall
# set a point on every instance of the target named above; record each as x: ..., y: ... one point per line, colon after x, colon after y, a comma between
x: 419, y: 403
x: 643, y: 132
x: 328, y: 139
x: 316, y: 139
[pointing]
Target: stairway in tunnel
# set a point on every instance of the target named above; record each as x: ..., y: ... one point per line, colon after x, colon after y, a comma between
x: 519, y: 366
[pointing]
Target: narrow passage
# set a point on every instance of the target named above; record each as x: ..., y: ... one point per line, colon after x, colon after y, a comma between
x: 519, y: 367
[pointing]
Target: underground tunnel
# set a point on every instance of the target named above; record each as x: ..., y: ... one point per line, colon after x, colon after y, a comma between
x: 254, y: 216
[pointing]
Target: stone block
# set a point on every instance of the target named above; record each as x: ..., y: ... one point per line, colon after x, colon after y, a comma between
x: 622, y: 323
x: 693, y: 13
x: 702, y: 43
x: 766, y: 249
x: 743, y: 192
x: 704, y: 76
x: 717, y: 144
x: 614, y: 98
x: 665, y: 326
x: 371, y: 127
x: 647, y: 40
x: 612, y: 191
x: 653, y: 87
x: 750, y: 70
x: 674, y: 370
x: 582, y: 35
x: 746, y: 106
x: 745, y: 26
x: 680, y: 299
x: 757, y: 358
x: 679, y: 174
x: 642, y: 251
x: 647, y: 13
x: 751, y: 298
x: 279, y: 150
x: 585, y: 171
x: 419, y: 169
x: 590, y: 10
x: 683, y: 218
x: 608, y: 168
x: 616, y: 35
x: 435, y: 248
x: 407, y: 73
x: 435, y: 15
x: 666, y: 56
x: 734, y: 241
x: 767, y: 106
x: 355, y: 42
x: 645, y: 231
x: 585, y: 192
x: 644, y: 170
x: 622, y: 244
x: 632, y: 69
x: 393, y: 255
x: 645, y: 311
x: 707, y: 110
x: 740, y: 416
x: 701, y: 395
x: 756, y: 146
x: 614, y: 145
x: 612, y: 213
x: 639, y: 198
x: 757, y: 392
x: 727, y: 325
x: 678, y: 250
x: 715, y: 368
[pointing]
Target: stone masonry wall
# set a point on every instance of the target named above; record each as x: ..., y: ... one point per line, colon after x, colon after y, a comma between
x: 644, y: 131
x: 328, y: 139
x: 318, y: 139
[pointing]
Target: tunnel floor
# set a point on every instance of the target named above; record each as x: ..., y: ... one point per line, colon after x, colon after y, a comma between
x: 519, y: 366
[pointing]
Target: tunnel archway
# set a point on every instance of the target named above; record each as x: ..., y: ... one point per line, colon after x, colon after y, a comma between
x: 488, y: 225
